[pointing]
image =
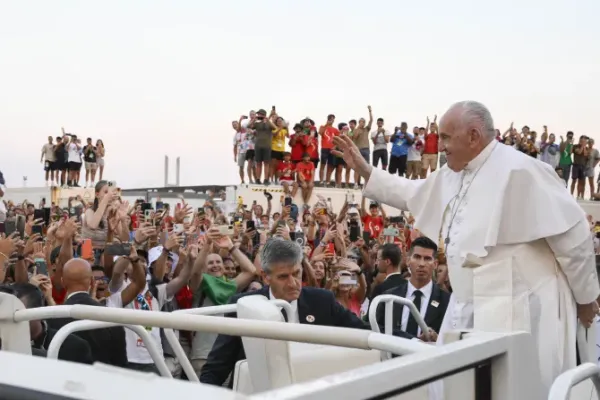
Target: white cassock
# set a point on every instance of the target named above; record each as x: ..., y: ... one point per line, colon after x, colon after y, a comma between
x: 518, y: 247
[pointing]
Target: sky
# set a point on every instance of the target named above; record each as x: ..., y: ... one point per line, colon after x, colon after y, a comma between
x: 154, y: 78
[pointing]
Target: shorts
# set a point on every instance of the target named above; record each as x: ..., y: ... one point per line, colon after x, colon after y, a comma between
x: 338, y: 162
x: 241, y: 159
x: 262, y: 154
x: 60, y: 166
x: 276, y: 155
x: 397, y: 165
x: 49, y: 166
x: 100, y: 162
x: 366, y: 153
x: 413, y: 168
x: 249, y: 155
x: 589, y: 172
x: 577, y: 171
x: 287, y: 181
x: 327, y: 158
x: 381, y: 154
x: 91, y: 166
x: 429, y: 161
x: 74, y: 166
x: 316, y: 162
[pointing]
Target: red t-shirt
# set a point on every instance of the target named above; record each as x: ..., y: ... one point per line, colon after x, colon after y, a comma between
x: 431, y: 143
x: 307, y: 170
x: 327, y: 137
x: 59, y: 296
x: 297, y: 148
x: 311, y: 145
x: 287, y: 170
x: 373, y: 225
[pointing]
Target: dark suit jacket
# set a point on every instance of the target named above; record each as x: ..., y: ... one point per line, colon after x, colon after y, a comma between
x: 390, y: 283
x: 433, y: 317
x: 73, y: 349
x: 319, y: 303
x: 107, y: 345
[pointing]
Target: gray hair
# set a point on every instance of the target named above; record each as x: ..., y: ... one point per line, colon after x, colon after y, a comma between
x: 278, y: 250
x: 473, y: 111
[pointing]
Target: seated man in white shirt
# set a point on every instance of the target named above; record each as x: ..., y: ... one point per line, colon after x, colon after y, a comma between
x: 152, y: 296
x: 428, y: 297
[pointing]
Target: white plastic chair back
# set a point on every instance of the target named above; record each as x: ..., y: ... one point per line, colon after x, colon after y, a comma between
x: 268, y: 360
x: 241, y: 378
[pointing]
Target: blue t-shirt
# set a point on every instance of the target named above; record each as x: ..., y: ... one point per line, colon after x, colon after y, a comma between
x: 399, y: 145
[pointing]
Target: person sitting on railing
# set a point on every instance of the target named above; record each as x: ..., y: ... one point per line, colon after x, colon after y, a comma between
x: 430, y: 300
x: 281, y: 261
x: 73, y: 349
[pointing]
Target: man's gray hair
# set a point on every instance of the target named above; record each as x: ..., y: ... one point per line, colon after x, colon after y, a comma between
x: 280, y: 251
x: 473, y: 111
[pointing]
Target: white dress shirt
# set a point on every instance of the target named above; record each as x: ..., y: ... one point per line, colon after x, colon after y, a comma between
x: 294, y: 318
x: 426, y: 290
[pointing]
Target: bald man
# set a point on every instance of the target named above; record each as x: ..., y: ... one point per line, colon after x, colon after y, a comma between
x: 518, y: 246
x: 108, y: 345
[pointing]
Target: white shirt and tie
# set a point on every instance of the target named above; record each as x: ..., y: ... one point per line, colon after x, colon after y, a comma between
x: 294, y: 318
x: 410, y: 295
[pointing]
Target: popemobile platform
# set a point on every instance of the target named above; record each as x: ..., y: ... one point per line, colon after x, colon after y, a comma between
x: 285, y: 361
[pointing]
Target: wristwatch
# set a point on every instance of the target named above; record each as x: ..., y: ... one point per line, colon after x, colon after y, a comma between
x: 360, y: 272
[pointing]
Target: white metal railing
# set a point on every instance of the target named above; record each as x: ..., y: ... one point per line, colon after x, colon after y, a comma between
x: 562, y: 386
x: 85, y: 325
x: 212, y: 310
x: 388, y: 301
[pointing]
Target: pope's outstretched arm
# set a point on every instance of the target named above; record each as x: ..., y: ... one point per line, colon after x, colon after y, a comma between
x: 389, y: 189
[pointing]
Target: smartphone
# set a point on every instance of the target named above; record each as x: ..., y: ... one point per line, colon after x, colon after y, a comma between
x: 178, y: 228
x: 287, y: 202
x: 118, y: 249
x: 366, y: 236
x: 41, y: 266
x: 350, y: 198
x: 38, y: 214
x: 10, y: 227
x: 391, y: 232
x: 47, y: 212
x: 299, y: 238
x: 226, y: 230
x: 250, y: 225
x: 147, y: 215
x: 112, y: 183
x: 36, y: 229
x: 354, y: 231
x: 146, y: 206
x: 86, y: 249
x: 160, y: 205
x: 21, y: 225
x: 201, y: 212
x: 330, y: 248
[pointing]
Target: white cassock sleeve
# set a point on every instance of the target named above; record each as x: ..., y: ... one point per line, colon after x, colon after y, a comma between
x: 574, y: 251
x: 389, y: 189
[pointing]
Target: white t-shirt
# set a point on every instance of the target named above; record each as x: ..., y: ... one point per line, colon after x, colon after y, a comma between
x: 136, y: 351
x: 239, y: 140
x: 74, y: 153
x: 414, y: 151
x: 380, y: 143
x: 48, y: 150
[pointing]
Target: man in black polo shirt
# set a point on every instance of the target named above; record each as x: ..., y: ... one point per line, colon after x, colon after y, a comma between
x: 89, y: 157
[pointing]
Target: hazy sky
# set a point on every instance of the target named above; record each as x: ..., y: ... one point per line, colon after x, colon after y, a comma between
x: 167, y: 77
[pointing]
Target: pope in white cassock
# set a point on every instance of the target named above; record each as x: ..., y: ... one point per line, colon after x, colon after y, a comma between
x: 518, y: 246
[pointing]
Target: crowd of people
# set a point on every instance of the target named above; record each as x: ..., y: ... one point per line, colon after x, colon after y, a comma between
x: 63, y: 157
x: 266, y: 150
x: 115, y: 255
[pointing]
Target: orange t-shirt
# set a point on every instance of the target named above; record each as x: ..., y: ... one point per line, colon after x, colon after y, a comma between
x: 327, y: 137
x: 306, y: 170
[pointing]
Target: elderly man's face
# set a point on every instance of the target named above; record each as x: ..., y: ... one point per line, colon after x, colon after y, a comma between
x: 457, y: 141
x: 285, y: 281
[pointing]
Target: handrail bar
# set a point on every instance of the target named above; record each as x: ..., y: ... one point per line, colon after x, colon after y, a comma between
x: 388, y: 300
x: 561, y: 388
x: 326, y: 335
x: 85, y: 325
x: 184, y: 361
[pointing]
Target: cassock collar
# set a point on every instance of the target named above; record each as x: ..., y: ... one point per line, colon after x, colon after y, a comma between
x: 478, y: 161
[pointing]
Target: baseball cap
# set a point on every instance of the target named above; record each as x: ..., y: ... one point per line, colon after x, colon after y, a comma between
x: 155, y: 252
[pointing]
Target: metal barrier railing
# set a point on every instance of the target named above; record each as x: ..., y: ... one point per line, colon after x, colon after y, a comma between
x: 85, y: 325
x: 389, y: 300
x: 562, y: 386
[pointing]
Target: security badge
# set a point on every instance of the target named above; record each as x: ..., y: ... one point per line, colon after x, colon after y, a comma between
x: 310, y: 319
x: 434, y: 303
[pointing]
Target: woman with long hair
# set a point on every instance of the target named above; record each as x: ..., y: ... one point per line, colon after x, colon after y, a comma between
x: 107, y: 215
x: 100, y: 157
x: 344, y: 286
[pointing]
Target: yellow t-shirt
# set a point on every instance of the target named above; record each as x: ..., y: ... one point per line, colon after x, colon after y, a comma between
x: 278, y: 142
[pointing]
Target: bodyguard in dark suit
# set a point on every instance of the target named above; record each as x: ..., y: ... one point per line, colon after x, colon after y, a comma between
x: 107, y: 344
x: 281, y: 262
x: 389, y: 258
x: 427, y: 296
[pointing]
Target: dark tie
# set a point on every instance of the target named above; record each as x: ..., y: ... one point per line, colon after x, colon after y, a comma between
x: 285, y: 317
x: 412, y: 327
